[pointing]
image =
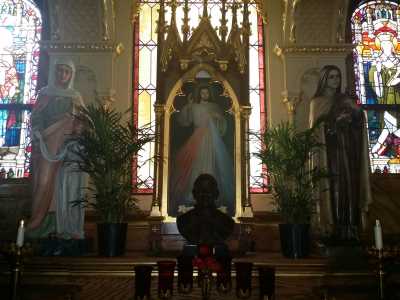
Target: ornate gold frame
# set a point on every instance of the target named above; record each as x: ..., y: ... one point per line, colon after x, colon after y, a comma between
x: 179, y: 60
x: 169, y: 109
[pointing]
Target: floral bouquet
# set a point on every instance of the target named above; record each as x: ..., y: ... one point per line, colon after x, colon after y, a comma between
x: 205, y: 261
x: 207, y: 264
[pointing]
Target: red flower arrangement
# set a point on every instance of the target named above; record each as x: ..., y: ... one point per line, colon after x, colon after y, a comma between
x: 205, y: 262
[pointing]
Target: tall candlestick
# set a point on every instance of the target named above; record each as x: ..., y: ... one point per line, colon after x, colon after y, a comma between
x: 20, y: 234
x: 378, y: 235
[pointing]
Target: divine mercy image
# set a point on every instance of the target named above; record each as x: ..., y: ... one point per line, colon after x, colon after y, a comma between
x: 201, y: 142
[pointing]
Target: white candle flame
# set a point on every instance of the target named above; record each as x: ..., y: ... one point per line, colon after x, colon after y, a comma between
x: 378, y: 235
x: 20, y: 234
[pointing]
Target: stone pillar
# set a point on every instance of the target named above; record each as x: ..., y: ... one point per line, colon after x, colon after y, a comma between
x: 155, y: 218
x: 247, y: 210
x: 157, y: 194
x: 246, y: 234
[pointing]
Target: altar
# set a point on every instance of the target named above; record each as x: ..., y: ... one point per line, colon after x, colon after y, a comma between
x: 203, y: 76
x: 93, y: 277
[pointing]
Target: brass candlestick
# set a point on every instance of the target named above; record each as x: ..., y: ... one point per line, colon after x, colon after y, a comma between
x: 15, y: 257
x: 381, y: 273
x: 16, y: 266
x: 379, y: 254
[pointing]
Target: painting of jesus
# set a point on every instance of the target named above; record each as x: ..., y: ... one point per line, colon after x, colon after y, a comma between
x: 202, y: 139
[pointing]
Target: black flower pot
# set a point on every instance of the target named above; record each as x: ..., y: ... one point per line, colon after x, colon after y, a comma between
x: 166, y: 270
x: 224, y: 276
x: 243, y: 279
x: 142, y: 282
x: 185, y: 274
x: 295, y: 240
x: 111, y: 238
x: 266, y: 277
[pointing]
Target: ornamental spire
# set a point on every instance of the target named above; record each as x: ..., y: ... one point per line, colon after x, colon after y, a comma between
x: 205, y: 4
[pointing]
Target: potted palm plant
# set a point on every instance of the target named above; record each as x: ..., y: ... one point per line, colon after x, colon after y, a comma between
x: 108, y: 146
x: 286, y: 153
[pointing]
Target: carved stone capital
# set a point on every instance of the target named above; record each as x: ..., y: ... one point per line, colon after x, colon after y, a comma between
x: 159, y: 110
x: 291, y: 101
x: 223, y: 64
x: 245, y: 112
x: 184, y: 63
x: 278, y: 51
x: 107, y: 97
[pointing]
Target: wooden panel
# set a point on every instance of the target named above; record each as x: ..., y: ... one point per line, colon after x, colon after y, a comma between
x: 15, y: 204
x: 113, y: 278
x: 137, y: 236
x: 266, y: 237
x: 385, y: 205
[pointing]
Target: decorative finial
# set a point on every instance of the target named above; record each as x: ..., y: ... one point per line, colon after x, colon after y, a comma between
x: 161, y: 24
x: 205, y: 10
x: 185, y: 26
x: 173, y: 5
x: 234, y: 8
x: 245, y: 23
x: 223, y: 29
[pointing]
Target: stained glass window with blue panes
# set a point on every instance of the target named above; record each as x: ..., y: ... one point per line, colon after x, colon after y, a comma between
x: 20, y: 28
x: 145, y: 74
x: 376, y: 35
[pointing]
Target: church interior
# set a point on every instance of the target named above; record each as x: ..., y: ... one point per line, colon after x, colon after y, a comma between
x: 111, y: 111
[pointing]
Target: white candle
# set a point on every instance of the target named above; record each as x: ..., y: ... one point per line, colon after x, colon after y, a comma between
x: 378, y: 235
x: 20, y: 234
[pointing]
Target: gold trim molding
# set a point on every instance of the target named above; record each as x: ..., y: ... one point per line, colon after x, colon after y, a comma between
x: 262, y: 10
x: 80, y: 47
x: 289, y: 19
x: 317, y: 49
x: 135, y: 11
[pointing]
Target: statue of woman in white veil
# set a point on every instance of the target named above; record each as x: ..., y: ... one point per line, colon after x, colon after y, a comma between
x: 56, y: 179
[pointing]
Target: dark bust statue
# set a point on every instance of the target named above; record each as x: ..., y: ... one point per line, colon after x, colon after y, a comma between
x: 205, y: 224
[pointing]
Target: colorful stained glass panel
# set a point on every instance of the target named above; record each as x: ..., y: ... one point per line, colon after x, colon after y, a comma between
x: 146, y: 56
x: 375, y: 27
x: 20, y: 28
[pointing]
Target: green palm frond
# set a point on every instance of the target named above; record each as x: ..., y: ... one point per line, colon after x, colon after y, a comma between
x: 286, y: 152
x: 107, y: 148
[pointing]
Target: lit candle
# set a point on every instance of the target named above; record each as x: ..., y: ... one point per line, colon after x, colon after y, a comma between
x: 20, y: 234
x: 378, y: 235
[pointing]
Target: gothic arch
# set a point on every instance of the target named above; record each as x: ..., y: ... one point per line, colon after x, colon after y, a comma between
x: 235, y: 111
x: 182, y: 49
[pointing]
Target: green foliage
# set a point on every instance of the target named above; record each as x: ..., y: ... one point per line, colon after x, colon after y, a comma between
x: 286, y: 153
x: 107, y: 149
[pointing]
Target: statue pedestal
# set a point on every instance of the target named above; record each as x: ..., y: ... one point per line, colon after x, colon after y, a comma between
x: 245, y: 234
x: 155, y: 224
x: 347, y: 256
x: 62, y: 247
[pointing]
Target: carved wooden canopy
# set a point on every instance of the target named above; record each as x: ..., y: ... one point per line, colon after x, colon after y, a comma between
x: 221, y: 52
x: 180, y: 49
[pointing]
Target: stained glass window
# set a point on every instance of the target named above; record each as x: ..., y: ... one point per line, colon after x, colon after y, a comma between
x: 145, y: 57
x: 375, y: 28
x: 20, y: 29
x: 144, y: 90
